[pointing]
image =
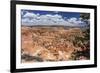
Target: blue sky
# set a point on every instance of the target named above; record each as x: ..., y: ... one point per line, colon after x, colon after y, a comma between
x: 37, y: 17
x: 63, y: 14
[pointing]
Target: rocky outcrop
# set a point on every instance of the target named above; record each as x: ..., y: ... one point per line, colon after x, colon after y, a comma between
x: 41, y: 44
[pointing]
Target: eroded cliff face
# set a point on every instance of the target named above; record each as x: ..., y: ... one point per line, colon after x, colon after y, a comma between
x: 41, y: 44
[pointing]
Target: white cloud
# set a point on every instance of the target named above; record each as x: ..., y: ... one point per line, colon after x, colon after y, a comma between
x: 75, y: 20
x: 36, y: 19
x: 30, y: 15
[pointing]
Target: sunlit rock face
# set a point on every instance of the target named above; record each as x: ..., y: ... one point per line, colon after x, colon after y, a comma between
x: 40, y: 44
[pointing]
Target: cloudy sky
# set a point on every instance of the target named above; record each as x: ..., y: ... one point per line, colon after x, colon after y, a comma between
x: 37, y: 17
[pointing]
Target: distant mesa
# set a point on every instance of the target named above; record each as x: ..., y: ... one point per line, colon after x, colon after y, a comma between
x: 69, y: 26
